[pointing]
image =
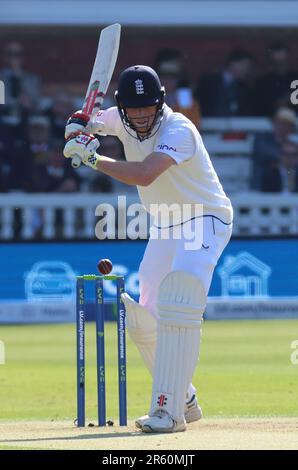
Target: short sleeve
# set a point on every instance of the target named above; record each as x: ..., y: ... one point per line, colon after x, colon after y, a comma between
x: 107, y: 122
x: 177, y: 142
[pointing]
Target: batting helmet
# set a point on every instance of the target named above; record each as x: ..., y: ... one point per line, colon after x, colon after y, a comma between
x: 139, y: 86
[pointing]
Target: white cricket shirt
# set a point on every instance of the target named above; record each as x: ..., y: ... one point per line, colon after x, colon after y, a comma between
x: 192, y: 180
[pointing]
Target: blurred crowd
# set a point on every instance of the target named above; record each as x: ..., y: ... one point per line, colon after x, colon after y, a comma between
x: 32, y: 125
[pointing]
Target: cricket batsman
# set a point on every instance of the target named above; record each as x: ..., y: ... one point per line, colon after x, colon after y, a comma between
x: 167, y: 161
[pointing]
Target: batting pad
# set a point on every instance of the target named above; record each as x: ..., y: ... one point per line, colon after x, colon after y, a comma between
x: 142, y: 329
x: 181, y: 304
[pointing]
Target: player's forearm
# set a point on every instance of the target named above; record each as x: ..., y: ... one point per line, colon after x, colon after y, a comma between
x: 132, y: 173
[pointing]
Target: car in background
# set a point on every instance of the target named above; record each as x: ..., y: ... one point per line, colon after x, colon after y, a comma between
x: 50, y: 280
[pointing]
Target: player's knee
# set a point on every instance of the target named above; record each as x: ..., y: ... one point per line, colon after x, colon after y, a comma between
x: 148, y: 290
x: 145, y: 273
x: 181, y: 300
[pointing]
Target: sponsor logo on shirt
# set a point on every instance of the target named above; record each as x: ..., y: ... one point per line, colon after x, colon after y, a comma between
x: 165, y: 146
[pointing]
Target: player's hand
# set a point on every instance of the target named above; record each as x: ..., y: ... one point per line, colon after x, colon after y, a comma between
x: 76, y: 124
x: 83, y: 146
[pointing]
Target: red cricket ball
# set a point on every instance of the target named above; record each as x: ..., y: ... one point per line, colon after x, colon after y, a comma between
x: 104, y: 266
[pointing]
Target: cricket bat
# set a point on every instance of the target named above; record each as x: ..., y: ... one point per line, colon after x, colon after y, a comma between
x: 103, y: 68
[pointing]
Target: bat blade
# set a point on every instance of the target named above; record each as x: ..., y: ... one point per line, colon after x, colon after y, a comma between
x: 104, y: 64
x: 103, y: 68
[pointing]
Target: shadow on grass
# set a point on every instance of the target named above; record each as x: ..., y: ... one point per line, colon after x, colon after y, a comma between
x: 83, y: 437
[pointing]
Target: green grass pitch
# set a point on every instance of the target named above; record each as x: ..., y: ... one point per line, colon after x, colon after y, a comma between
x: 244, y: 371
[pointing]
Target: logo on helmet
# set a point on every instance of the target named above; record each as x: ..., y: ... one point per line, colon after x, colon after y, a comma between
x: 139, y: 87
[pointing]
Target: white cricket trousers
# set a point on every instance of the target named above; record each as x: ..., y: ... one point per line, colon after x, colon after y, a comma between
x: 165, y: 255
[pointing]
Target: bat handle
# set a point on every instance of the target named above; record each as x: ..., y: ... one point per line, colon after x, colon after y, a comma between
x: 76, y: 161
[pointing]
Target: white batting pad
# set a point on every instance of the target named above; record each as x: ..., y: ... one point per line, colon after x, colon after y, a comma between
x: 181, y: 304
x: 142, y: 329
x: 181, y: 288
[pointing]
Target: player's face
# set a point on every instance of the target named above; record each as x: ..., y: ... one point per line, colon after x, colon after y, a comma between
x: 141, y: 118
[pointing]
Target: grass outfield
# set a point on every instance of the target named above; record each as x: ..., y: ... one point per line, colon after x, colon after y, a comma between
x: 244, y: 371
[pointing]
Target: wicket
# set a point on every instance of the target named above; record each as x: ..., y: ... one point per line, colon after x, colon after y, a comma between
x: 100, y: 348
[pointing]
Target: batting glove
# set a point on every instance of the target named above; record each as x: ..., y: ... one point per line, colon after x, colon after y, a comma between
x: 76, y: 124
x: 84, y: 146
x: 81, y: 122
